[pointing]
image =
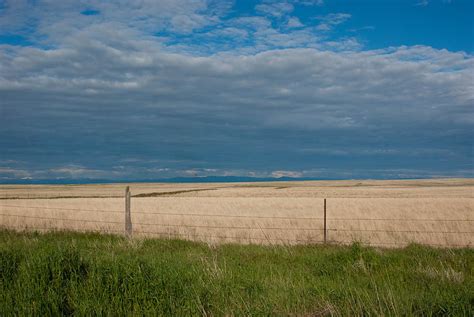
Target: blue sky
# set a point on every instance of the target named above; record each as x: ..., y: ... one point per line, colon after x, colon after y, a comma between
x: 300, y: 88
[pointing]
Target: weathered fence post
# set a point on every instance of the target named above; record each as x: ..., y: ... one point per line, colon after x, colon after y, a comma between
x: 325, y: 227
x: 128, y: 216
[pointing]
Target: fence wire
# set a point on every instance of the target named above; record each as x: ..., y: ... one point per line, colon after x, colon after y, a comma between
x: 194, y: 235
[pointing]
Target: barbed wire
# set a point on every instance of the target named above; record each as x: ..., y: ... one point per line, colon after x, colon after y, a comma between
x: 397, y: 231
x: 244, y: 216
x: 227, y: 216
x: 165, y: 234
x: 226, y: 227
x: 469, y: 244
x: 396, y: 219
x: 168, y: 213
x: 240, y: 227
x: 162, y: 224
x: 62, y: 219
x: 65, y: 209
x: 67, y: 229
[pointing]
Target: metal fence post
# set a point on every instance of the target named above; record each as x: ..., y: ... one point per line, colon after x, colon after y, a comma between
x: 128, y: 216
x: 325, y: 226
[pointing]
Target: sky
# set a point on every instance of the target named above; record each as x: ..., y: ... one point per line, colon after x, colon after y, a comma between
x: 143, y: 89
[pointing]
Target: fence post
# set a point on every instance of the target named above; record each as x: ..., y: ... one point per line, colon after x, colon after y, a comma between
x: 325, y: 227
x: 128, y: 216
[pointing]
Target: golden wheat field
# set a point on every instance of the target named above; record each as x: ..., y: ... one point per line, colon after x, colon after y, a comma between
x: 391, y: 213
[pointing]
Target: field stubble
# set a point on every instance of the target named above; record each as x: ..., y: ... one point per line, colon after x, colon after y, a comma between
x: 384, y: 213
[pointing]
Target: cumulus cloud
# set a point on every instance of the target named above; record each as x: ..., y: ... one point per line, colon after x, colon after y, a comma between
x: 294, y: 22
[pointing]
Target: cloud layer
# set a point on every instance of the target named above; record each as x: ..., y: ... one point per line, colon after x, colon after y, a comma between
x: 114, y: 95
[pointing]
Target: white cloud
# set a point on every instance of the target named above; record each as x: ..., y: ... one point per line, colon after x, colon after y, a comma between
x: 294, y: 22
x: 275, y: 9
x: 308, y: 88
x: 241, y: 83
x: 309, y: 2
x: 329, y: 21
x: 53, y: 21
x: 294, y: 174
x: 77, y: 171
x: 8, y: 173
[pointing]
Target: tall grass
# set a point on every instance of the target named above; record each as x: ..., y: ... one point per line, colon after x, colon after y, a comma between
x: 89, y: 274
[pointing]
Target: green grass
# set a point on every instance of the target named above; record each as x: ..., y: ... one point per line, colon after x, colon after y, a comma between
x: 90, y: 274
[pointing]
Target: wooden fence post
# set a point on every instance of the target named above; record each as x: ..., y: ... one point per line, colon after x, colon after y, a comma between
x: 325, y: 227
x: 128, y: 216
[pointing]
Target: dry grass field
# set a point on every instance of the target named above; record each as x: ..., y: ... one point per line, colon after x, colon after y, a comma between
x: 438, y: 212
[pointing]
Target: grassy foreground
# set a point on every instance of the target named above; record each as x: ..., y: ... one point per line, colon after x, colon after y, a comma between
x: 90, y: 274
